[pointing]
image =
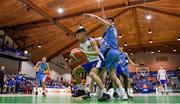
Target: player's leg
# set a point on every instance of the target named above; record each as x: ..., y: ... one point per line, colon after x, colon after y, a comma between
x: 43, y: 82
x: 112, y: 64
x: 162, y: 87
x: 165, y: 88
x: 94, y: 75
x: 76, y: 74
x: 101, y: 76
x: 37, y: 83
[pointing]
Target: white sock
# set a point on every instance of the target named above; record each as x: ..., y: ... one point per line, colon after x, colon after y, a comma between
x: 80, y: 87
x: 103, y: 90
x: 122, y: 89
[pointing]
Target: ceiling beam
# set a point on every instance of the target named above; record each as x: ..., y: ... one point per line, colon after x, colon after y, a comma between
x: 159, y: 11
x: 74, y: 42
x: 136, y: 23
x: 47, y: 16
x: 45, y: 22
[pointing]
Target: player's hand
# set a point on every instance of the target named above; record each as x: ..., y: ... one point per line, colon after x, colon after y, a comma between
x: 71, y: 62
x: 85, y: 52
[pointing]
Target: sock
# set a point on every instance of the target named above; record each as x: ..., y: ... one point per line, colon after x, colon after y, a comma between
x: 103, y: 91
x: 80, y: 87
x: 121, y: 89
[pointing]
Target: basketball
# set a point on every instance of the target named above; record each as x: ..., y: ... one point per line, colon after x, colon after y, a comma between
x: 47, y: 72
x: 77, y: 55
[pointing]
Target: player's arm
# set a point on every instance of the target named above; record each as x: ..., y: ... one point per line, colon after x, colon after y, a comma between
x: 131, y: 60
x: 95, y: 47
x: 98, y: 19
x: 167, y: 77
x: 158, y: 75
x: 37, y: 64
x: 48, y: 67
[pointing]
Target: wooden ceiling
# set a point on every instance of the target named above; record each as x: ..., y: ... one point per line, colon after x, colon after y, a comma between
x: 39, y: 22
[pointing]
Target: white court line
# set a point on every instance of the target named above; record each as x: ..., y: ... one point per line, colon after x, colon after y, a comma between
x: 25, y: 95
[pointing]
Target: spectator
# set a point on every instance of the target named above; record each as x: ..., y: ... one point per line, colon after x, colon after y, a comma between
x: 18, y: 81
x: 11, y: 85
x: 5, y: 87
x: 2, y: 73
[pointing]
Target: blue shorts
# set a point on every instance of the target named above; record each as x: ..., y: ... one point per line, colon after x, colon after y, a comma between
x: 88, y: 66
x: 163, y: 81
x: 112, y: 59
x: 121, y: 69
x: 40, y: 78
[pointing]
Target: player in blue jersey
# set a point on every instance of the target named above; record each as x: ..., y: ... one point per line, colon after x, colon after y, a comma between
x: 109, y: 49
x: 41, y: 67
x: 122, y: 70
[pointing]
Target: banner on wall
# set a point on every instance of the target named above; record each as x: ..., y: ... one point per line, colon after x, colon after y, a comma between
x: 50, y: 91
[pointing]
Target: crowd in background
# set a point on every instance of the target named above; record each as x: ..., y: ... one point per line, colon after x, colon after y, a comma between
x: 16, y: 52
x: 21, y: 83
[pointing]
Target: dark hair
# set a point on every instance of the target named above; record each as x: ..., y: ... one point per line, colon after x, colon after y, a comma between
x: 110, y: 18
x: 80, y: 30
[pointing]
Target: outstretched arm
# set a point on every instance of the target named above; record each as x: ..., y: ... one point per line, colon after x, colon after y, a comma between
x: 98, y: 19
x: 131, y: 60
x: 36, y: 66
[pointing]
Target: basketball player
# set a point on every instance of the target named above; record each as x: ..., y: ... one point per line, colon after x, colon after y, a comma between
x: 122, y: 70
x: 109, y: 49
x: 41, y: 67
x: 90, y: 48
x: 163, y: 79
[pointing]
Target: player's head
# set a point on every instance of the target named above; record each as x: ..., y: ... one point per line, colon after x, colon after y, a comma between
x: 121, y: 49
x: 44, y: 59
x: 161, y: 66
x: 2, y: 68
x: 81, y: 34
x: 110, y: 20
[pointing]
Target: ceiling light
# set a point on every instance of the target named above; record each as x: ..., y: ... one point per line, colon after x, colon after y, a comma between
x: 178, y: 38
x: 125, y: 44
x: 150, y: 41
x: 39, y: 45
x: 174, y: 50
x: 148, y: 17
x: 120, y: 36
x: 131, y: 54
x: 159, y: 51
x: 152, y: 51
x: 25, y: 52
x: 60, y: 10
x: 150, y: 31
x: 81, y: 26
x: 99, y: 0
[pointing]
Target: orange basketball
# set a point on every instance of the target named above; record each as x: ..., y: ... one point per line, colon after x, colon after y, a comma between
x: 47, y: 72
x: 77, y: 55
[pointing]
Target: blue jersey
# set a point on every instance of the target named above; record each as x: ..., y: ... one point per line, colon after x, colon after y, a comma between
x: 109, y: 39
x: 123, y: 60
x: 18, y: 78
x: 11, y: 83
x: 42, y: 67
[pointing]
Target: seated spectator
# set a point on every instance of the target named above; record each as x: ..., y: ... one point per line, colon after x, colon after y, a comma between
x: 11, y: 85
x: 5, y: 87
